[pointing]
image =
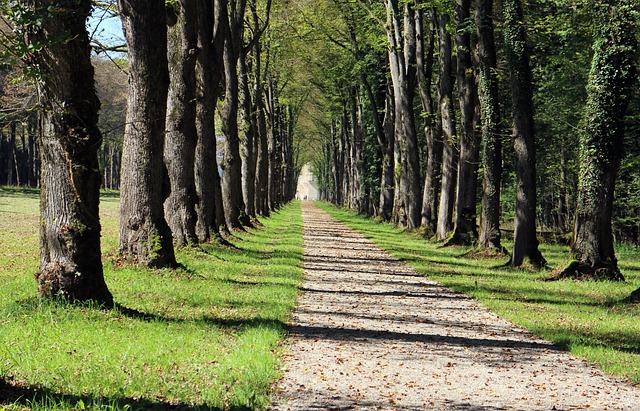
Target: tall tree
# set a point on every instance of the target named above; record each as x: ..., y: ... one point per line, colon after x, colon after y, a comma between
x: 525, y: 243
x: 209, y: 74
x: 432, y: 128
x: 490, y: 120
x: 181, y: 135
x: 233, y: 14
x: 465, y: 232
x: 386, y: 140
x: 145, y: 236
x: 70, y: 258
x: 248, y: 139
x: 610, y: 88
x: 401, y: 38
x: 450, y: 143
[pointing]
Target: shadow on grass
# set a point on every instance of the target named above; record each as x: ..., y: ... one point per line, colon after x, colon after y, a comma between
x: 33, y: 193
x: 234, y: 323
x: 38, y: 397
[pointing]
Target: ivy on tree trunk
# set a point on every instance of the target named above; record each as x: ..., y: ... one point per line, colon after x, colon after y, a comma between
x: 490, y: 119
x: 525, y: 243
x: 609, y: 90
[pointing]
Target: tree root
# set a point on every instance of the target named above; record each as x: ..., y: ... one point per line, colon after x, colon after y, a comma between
x: 580, y: 271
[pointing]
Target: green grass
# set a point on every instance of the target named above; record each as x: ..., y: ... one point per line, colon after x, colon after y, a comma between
x: 202, y: 337
x: 585, y: 318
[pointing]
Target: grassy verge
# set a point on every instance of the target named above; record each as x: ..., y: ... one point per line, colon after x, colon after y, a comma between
x: 585, y: 318
x: 203, y: 337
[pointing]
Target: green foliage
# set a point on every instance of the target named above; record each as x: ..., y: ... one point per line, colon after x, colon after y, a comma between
x: 19, y: 46
x: 586, y: 318
x: 202, y: 337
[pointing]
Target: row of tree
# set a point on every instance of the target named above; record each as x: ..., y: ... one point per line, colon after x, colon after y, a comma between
x: 187, y: 60
x: 445, y: 111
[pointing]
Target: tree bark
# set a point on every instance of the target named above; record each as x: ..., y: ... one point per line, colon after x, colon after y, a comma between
x: 525, y: 243
x: 232, y: 163
x: 209, y: 73
x: 70, y: 257
x: 490, y: 119
x: 450, y: 150
x: 609, y: 90
x: 401, y: 38
x: 145, y: 236
x: 465, y: 231
x: 181, y: 135
x: 432, y: 129
x: 388, y: 176
x: 248, y: 141
x: 261, y: 191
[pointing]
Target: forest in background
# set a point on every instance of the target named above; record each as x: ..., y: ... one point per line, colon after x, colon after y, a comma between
x: 466, y: 119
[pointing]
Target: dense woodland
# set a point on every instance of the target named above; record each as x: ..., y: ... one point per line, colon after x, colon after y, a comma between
x: 468, y: 120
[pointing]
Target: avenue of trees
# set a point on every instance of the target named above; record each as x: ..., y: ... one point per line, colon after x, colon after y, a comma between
x: 472, y: 119
x: 465, y: 119
x: 196, y: 70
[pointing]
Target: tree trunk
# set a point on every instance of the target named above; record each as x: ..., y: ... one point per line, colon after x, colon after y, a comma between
x: 401, y: 38
x: 387, y: 178
x: 525, y: 243
x: 70, y: 257
x: 609, y: 90
x: 33, y: 155
x: 490, y: 119
x: 248, y: 142
x: 262, y: 174
x: 145, y: 236
x: 232, y: 163
x: 181, y: 135
x: 345, y: 148
x: 12, y: 178
x: 432, y: 128
x: 261, y: 191
x: 450, y: 151
x: 465, y: 231
x: 356, y: 149
x: 209, y: 72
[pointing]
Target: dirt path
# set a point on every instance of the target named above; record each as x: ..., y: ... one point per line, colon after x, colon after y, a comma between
x: 370, y: 333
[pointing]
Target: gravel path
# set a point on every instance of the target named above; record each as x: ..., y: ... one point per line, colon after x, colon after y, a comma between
x: 370, y: 333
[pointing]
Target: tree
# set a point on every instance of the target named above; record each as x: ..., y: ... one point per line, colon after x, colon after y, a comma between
x: 145, y: 237
x: 490, y: 119
x: 181, y: 133
x: 401, y: 40
x: 432, y: 128
x: 611, y: 79
x: 447, y: 117
x: 525, y: 243
x: 465, y: 232
x: 70, y: 258
x: 232, y: 19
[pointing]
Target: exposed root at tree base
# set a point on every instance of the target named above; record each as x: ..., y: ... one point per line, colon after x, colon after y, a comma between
x: 579, y: 271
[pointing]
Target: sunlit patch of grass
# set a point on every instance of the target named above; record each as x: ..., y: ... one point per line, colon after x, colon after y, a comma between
x: 586, y: 318
x: 204, y: 336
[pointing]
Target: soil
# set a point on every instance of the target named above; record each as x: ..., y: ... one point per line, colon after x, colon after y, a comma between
x: 370, y: 333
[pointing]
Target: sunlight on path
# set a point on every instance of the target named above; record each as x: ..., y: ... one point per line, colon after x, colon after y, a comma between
x: 370, y: 333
